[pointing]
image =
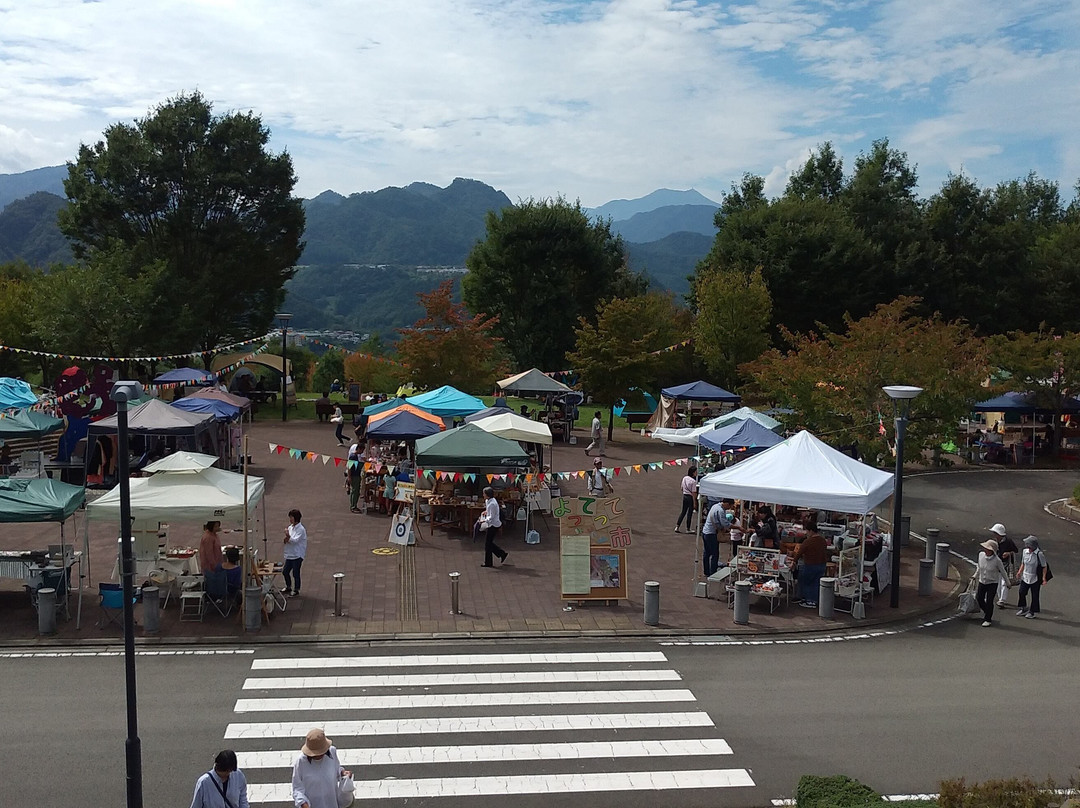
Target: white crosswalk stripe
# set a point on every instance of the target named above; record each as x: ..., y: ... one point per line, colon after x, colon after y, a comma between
x: 573, y: 723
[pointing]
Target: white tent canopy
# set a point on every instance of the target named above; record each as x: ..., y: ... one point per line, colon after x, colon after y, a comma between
x: 532, y: 382
x: 743, y: 414
x: 802, y: 471
x: 512, y: 426
x: 183, y: 496
x: 182, y: 461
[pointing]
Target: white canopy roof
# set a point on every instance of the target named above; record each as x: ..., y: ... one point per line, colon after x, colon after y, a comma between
x: 532, y: 381
x: 183, y: 496
x: 512, y: 426
x: 802, y: 471
x: 743, y: 414
x: 688, y: 436
x: 182, y: 461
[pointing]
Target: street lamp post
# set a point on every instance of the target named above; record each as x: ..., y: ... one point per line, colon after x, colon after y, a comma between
x: 122, y: 393
x: 284, y: 320
x: 901, y: 396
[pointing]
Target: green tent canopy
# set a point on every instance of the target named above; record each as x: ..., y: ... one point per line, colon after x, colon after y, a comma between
x: 38, y: 500
x: 28, y: 424
x: 470, y: 447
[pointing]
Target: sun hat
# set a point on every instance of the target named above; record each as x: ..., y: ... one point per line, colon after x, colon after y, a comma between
x: 316, y: 743
x: 990, y: 545
x: 999, y: 529
x: 1031, y: 542
x: 598, y: 462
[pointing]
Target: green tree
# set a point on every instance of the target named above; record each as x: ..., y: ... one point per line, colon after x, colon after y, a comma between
x: 17, y: 316
x: 329, y: 366
x: 202, y: 195
x: 821, y: 177
x: 732, y: 324
x: 448, y: 346
x: 616, y: 352
x: 543, y: 266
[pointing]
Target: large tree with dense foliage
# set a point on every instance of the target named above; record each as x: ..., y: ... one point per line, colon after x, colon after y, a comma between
x: 734, y: 311
x: 201, y: 195
x: 543, y: 266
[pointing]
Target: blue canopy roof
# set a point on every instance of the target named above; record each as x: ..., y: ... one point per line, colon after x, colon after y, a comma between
x: 189, y: 375
x: 700, y: 391
x: 402, y: 425
x: 447, y: 401
x: 747, y: 435
x: 1022, y: 403
x: 16, y: 393
x: 28, y: 424
x: 389, y: 404
x: 221, y: 410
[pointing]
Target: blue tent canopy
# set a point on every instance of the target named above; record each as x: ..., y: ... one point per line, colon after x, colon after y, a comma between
x: 1022, y: 403
x: 746, y: 435
x: 447, y: 401
x: 700, y: 391
x: 188, y: 375
x: 389, y: 404
x: 28, y: 424
x: 402, y: 425
x: 16, y: 393
x: 221, y: 410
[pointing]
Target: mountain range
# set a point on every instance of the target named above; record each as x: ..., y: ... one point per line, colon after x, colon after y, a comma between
x: 367, y: 254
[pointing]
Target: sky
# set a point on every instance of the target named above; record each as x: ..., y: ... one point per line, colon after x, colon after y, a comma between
x: 588, y: 99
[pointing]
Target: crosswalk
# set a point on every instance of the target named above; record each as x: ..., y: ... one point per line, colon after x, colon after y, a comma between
x: 426, y: 727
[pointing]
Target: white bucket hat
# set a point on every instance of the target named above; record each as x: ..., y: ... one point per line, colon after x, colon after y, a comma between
x: 999, y: 529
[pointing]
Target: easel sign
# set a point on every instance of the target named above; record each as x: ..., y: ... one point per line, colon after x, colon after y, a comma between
x: 594, y: 534
x: 405, y: 492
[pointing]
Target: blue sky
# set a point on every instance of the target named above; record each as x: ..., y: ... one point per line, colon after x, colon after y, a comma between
x: 590, y: 100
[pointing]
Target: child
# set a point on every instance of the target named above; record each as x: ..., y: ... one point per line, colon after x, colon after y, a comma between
x: 389, y: 482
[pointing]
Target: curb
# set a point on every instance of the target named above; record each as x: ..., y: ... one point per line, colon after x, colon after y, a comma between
x: 1048, y: 508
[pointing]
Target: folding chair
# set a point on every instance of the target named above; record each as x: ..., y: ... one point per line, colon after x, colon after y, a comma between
x: 111, y: 601
x: 217, y: 592
x: 191, y: 597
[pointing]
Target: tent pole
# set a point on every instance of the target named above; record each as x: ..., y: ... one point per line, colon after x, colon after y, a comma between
x: 246, y: 570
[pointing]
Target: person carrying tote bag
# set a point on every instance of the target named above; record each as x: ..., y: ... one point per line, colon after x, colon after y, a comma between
x: 1034, y: 571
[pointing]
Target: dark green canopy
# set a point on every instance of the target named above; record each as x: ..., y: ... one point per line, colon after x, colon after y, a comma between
x: 470, y: 447
x: 28, y: 424
x: 38, y: 500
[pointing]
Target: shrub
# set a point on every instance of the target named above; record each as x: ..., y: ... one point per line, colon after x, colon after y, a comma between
x: 837, y: 791
x: 1076, y: 495
x: 1011, y: 793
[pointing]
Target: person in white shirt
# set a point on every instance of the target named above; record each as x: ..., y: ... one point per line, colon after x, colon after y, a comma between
x: 1032, y: 575
x: 295, y: 550
x: 990, y: 570
x: 224, y: 786
x: 689, y: 500
x: 597, y: 433
x: 490, y: 521
x: 598, y: 481
x: 316, y: 772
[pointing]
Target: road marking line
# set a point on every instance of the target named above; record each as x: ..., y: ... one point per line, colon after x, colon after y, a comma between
x: 438, y: 660
x: 415, y: 755
x: 459, y: 679
x: 523, y: 784
x: 189, y: 652
x: 495, y: 723
x: 454, y: 700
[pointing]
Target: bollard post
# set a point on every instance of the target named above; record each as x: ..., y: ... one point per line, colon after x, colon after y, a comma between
x: 941, y: 561
x: 46, y: 610
x: 339, y: 578
x: 652, y: 603
x: 826, y: 601
x: 253, y: 608
x: 926, y: 577
x: 904, y: 531
x: 742, y: 602
x: 933, y: 534
x: 455, y: 593
x: 151, y: 609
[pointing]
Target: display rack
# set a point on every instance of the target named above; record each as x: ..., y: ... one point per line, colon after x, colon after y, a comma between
x: 850, y: 568
x: 768, y: 572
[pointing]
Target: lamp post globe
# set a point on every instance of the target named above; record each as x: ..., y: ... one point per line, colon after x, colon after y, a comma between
x: 902, y: 396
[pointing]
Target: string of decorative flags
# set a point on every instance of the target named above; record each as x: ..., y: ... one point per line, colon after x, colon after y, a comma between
x: 225, y: 371
x: 80, y: 357
x: 668, y: 349
x: 332, y: 347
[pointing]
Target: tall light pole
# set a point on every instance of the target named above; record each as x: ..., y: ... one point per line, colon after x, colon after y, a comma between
x: 901, y: 395
x: 122, y: 393
x: 284, y: 320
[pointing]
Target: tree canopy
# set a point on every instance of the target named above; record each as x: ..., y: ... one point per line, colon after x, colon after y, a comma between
x: 201, y: 195
x: 543, y: 266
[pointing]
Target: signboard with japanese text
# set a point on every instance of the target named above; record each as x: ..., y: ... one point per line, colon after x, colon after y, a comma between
x: 595, y: 533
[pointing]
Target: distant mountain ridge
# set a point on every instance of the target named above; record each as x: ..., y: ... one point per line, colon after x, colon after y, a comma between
x: 619, y: 209
x: 656, y: 224
x: 19, y: 186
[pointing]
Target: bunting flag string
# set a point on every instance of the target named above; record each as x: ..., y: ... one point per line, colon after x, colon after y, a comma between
x: 225, y: 371
x: 163, y: 357
x: 331, y: 346
x: 668, y: 349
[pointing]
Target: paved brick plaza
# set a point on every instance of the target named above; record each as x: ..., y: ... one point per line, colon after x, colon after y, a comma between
x: 380, y: 601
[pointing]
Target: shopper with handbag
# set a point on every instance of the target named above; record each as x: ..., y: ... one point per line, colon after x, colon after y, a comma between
x: 1034, y: 571
x: 1007, y: 551
x: 224, y: 786
x: 318, y: 780
x: 988, y: 574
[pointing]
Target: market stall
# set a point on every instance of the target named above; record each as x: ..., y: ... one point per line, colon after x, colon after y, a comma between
x: 688, y: 436
x: 447, y: 402
x: 1009, y: 407
x: 667, y: 414
x: 535, y: 382
x: 22, y: 434
x: 747, y: 437
x: 805, y: 472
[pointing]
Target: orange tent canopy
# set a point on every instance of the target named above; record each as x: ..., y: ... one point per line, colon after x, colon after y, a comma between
x: 419, y: 413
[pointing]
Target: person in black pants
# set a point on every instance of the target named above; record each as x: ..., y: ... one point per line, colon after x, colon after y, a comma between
x: 989, y: 571
x: 689, y: 500
x: 490, y: 521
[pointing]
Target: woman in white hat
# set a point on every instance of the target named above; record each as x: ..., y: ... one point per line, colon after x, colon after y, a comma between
x: 987, y: 574
x: 1007, y: 551
x: 316, y: 773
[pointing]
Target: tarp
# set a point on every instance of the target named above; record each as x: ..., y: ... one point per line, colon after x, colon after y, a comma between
x: 221, y: 410
x: 512, y: 426
x: 689, y: 436
x: 189, y: 375
x: 802, y: 470
x: 15, y: 393
x: 1022, y: 403
x: 155, y: 417
x: 182, y: 461
x: 220, y: 395
x: 532, y: 382
x: 403, y: 423
x: 183, y: 496
x: 745, y: 435
x: 447, y: 401
x: 28, y: 424
x: 470, y: 447
x: 700, y: 391
x: 38, y: 500
x: 743, y: 414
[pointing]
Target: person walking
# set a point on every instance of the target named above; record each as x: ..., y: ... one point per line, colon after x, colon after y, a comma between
x: 597, y: 433
x: 316, y: 773
x: 1007, y: 551
x: 224, y: 786
x: 715, y: 521
x: 598, y: 481
x: 354, y: 475
x: 338, y: 418
x: 1032, y: 576
x: 689, y: 500
x: 813, y: 550
x: 987, y: 575
x: 295, y: 550
x: 490, y: 521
